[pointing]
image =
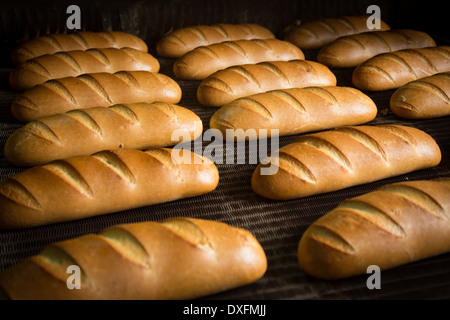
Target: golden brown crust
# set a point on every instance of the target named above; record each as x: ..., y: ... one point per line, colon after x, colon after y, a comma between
x: 352, y: 50
x: 180, y: 41
x: 317, y: 33
x: 204, y: 61
x: 395, y: 69
x: 428, y: 97
x: 74, y: 63
x: 87, y: 131
x: 295, y: 110
x: 131, y: 262
x: 391, y: 226
x: 235, y: 82
x: 94, y: 90
x: 332, y: 160
x: 83, y: 40
x: 108, y: 181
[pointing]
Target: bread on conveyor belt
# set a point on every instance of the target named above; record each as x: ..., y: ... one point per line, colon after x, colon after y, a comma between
x: 295, y: 111
x: 204, y: 61
x: 178, y: 42
x: 82, y: 40
x: 74, y: 63
x: 336, y: 159
x: 317, y: 33
x: 394, y: 225
x: 177, y: 258
x: 235, y: 82
x: 350, y: 51
x: 394, y: 69
x: 94, y: 90
x: 87, y: 131
x: 105, y: 182
x: 428, y: 97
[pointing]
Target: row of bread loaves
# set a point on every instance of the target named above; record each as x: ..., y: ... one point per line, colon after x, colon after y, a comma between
x: 330, y: 248
x: 307, y: 163
x: 100, y: 122
x: 418, y: 76
x: 202, y: 50
x: 178, y: 258
x: 384, y: 59
x: 110, y: 169
x: 56, y: 56
x: 397, y: 223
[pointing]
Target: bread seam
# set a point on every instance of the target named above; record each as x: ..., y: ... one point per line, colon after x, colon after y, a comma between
x: 69, y: 61
x: 327, y: 148
x: 20, y: 191
x: 374, y: 215
x: 69, y: 174
x: 115, y: 164
x: 295, y: 167
x: 51, y: 39
x: 41, y: 130
x: 83, y: 118
x: 410, y: 193
x: 253, y: 106
x: 57, y: 87
x: 92, y: 83
x: 80, y: 40
x: 365, y: 140
x: 331, y: 239
x: 289, y: 99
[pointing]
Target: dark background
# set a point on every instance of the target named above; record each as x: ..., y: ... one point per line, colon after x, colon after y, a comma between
x: 277, y: 225
x: 150, y: 19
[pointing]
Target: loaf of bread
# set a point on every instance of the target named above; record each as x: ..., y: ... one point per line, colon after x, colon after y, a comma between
x: 352, y: 50
x: 87, y: 131
x: 428, y: 97
x: 204, y: 61
x: 94, y: 90
x: 394, y: 225
x: 317, y: 33
x: 178, y: 42
x: 294, y: 111
x: 108, y: 181
x: 177, y: 258
x: 235, y: 82
x: 74, y: 63
x: 332, y: 160
x: 392, y: 70
x: 83, y: 40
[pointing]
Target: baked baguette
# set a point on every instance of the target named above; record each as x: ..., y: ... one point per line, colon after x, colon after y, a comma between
x: 105, y: 182
x: 352, y: 50
x: 336, y: 159
x: 428, y: 97
x: 83, y: 40
x: 394, y: 225
x: 178, y: 42
x: 74, y: 63
x: 394, y: 69
x: 204, y: 61
x: 235, y: 82
x: 177, y: 258
x: 92, y: 90
x: 87, y: 131
x: 317, y: 33
x: 295, y: 111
